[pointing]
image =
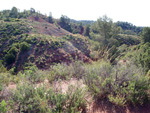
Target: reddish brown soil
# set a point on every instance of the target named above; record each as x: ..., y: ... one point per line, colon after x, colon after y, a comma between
x: 44, y: 27
x: 58, y: 56
x: 46, y: 56
x: 101, y: 106
x: 64, y: 85
x: 104, y: 106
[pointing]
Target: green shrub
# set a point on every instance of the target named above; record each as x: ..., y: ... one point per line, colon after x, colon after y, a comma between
x: 42, y: 42
x: 118, y: 100
x: 34, y: 75
x: 2, y: 69
x: 120, y: 84
x: 75, y: 99
x: 5, y: 78
x: 3, y: 107
x: 77, y: 69
x: 142, y: 56
x: 64, y: 71
x: 1, y: 87
x: 57, y: 101
x: 145, y: 35
x: 98, y: 78
x: 139, y: 55
x: 29, y: 98
x: 71, y: 102
x: 9, y: 58
x: 24, y: 46
x: 60, y: 71
x: 13, y: 50
x: 137, y: 91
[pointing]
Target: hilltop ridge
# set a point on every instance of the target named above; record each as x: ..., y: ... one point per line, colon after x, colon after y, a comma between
x: 33, y: 40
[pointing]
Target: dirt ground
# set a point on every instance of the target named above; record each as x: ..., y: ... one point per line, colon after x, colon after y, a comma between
x: 101, y: 106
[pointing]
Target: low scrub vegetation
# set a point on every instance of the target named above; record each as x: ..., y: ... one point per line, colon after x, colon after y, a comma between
x: 30, y: 98
x: 41, y: 63
x: 119, y: 83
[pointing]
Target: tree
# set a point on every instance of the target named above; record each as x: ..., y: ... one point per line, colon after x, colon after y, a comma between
x: 64, y: 22
x: 32, y: 10
x: 1, y: 15
x: 146, y: 35
x: 129, y: 28
x: 81, y: 28
x: 50, y: 18
x: 64, y: 19
x: 105, y: 32
x: 104, y: 26
x: 14, y: 12
x: 87, y: 31
x: 106, y: 29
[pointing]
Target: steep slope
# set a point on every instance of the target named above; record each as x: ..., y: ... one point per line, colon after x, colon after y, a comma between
x: 41, y: 26
x: 34, y: 41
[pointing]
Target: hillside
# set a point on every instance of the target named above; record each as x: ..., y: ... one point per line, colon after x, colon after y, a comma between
x: 34, y: 41
x: 50, y: 65
x: 129, y: 28
x: 41, y: 26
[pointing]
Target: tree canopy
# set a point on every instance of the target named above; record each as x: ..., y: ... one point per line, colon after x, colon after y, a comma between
x: 146, y: 35
x: 106, y: 29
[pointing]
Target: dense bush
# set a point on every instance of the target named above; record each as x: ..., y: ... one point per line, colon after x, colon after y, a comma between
x: 24, y: 46
x: 34, y: 75
x: 60, y: 71
x: 98, y: 78
x: 75, y: 99
x: 120, y: 84
x: 129, y: 28
x: 29, y: 98
x: 80, y: 43
x: 7, y: 30
x: 128, y: 39
x: 3, y: 107
x: 9, y: 58
x: 139, y: 54
x: 142, y: 56
x: 64, y: 71
x: 64, y: 22
x: 11, y: 55
x: 146, y: 35
x: 5, y: 78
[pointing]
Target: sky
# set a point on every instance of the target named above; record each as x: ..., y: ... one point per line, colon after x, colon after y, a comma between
x: 136, y: 12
